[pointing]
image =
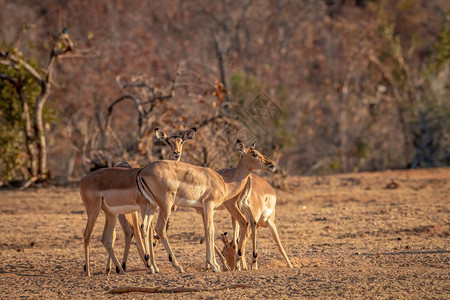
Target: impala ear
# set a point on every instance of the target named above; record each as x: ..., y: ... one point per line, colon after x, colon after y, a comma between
x: 189, y: 134
x: 160, y: 134
x: 240, y: 146
x: 224, y: 238
x: 252, y: 146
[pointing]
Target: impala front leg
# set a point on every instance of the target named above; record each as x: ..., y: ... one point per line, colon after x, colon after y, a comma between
x: 232, y: 208
x: 252, y: 222
x: 276, y: 237
x: 241, y: 247
x: 243, y: 235
x: 217, y: 250
x: 235, y: 226
x: 209, y: 231
x: 200, y: 211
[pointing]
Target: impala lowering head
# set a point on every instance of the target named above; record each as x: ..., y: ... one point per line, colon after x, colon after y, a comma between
x: 254, y: 158
x: 228, y: 250
x: 175, y: 141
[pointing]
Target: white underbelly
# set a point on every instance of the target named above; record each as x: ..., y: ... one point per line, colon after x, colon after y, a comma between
x: 188, y: 203
x: 123, y: 209
x: 120, y: 201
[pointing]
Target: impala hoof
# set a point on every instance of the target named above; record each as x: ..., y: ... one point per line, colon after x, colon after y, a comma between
x: 152, y: 270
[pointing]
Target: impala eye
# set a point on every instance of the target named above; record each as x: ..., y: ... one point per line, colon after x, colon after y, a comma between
x: 254, y: 154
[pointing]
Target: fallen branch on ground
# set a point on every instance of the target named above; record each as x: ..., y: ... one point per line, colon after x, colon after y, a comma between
x: 136, y: 289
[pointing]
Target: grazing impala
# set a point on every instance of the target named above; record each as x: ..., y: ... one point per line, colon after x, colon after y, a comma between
x: 259, y: 209
x: 165, y: 183
x: 114, y: 191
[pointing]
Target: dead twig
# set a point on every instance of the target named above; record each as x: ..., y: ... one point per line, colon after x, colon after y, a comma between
x: 28, y: 183
x: 136, y: 289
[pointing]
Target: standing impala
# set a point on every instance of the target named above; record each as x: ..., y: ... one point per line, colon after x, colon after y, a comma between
x: 114, y: 191
x: 175, y: 142
x: 259, y: 209
x: 168, y: 183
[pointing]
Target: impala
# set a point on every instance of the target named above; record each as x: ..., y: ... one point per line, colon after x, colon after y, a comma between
x: 114, y: 191
x: 126, y: 221
x: 259, y: 209
x: 168, y: 183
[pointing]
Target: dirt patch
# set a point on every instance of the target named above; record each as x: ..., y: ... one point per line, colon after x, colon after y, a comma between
x: 348, y: 236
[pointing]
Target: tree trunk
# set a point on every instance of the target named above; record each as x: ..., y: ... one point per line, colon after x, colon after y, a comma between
x: 41, y: 143
x: 29, y: 136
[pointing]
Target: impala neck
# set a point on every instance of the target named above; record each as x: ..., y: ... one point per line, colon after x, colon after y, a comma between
x: 236, y: 178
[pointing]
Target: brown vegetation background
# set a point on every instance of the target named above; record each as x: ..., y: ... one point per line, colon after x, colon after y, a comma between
x: 323, y: 86
x: 374, y: 235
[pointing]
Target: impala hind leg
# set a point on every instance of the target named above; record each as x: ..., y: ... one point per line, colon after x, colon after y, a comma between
x: 108, y: 261
x: 153, y: 268
x: 147, y: 232
x: 161, y: 231
x: 255, y: 251
x: 276, y: 237
x: 128, y: 235
x: 107, y: 239
x: 135, y: 225
x: 92, y: 218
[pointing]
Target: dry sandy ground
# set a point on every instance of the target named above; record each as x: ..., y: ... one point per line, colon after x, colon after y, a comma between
x: 369, y: 235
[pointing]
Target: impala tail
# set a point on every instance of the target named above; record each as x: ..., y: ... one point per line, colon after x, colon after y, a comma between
x: 143, y: 188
